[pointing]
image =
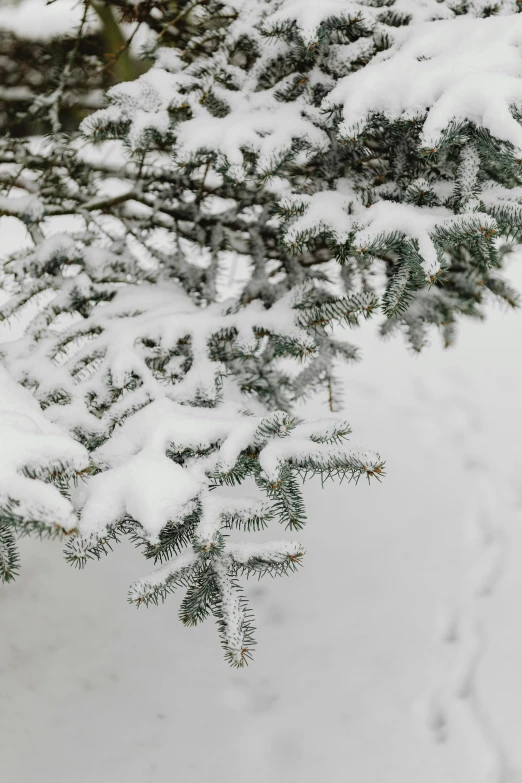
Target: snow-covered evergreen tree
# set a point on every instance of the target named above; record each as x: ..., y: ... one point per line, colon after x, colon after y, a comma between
x: 278, y: 168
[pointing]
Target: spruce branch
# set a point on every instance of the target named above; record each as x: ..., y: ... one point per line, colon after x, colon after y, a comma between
x: 236, y: 206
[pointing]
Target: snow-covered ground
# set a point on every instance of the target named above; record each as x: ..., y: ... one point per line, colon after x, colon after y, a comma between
x: 394, y: 655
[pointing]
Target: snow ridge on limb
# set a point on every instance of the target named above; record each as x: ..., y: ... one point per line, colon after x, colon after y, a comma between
x: 462, y: 70
x: 158, y: 482
x: 37, y: 461
x: 151, y: 341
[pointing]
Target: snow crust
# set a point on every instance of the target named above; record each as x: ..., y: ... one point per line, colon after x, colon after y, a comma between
x: 456, y: 70
x: 273, y: 551
x: 310, y: 16
x: 32, y: 445
x: 340, y: 215
x: 141, y: 481
x: 161, y: 575
x: 162, y: 313
x: 29, y: 208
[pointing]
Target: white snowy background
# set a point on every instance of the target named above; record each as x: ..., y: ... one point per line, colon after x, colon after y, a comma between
x: 394, y: 655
